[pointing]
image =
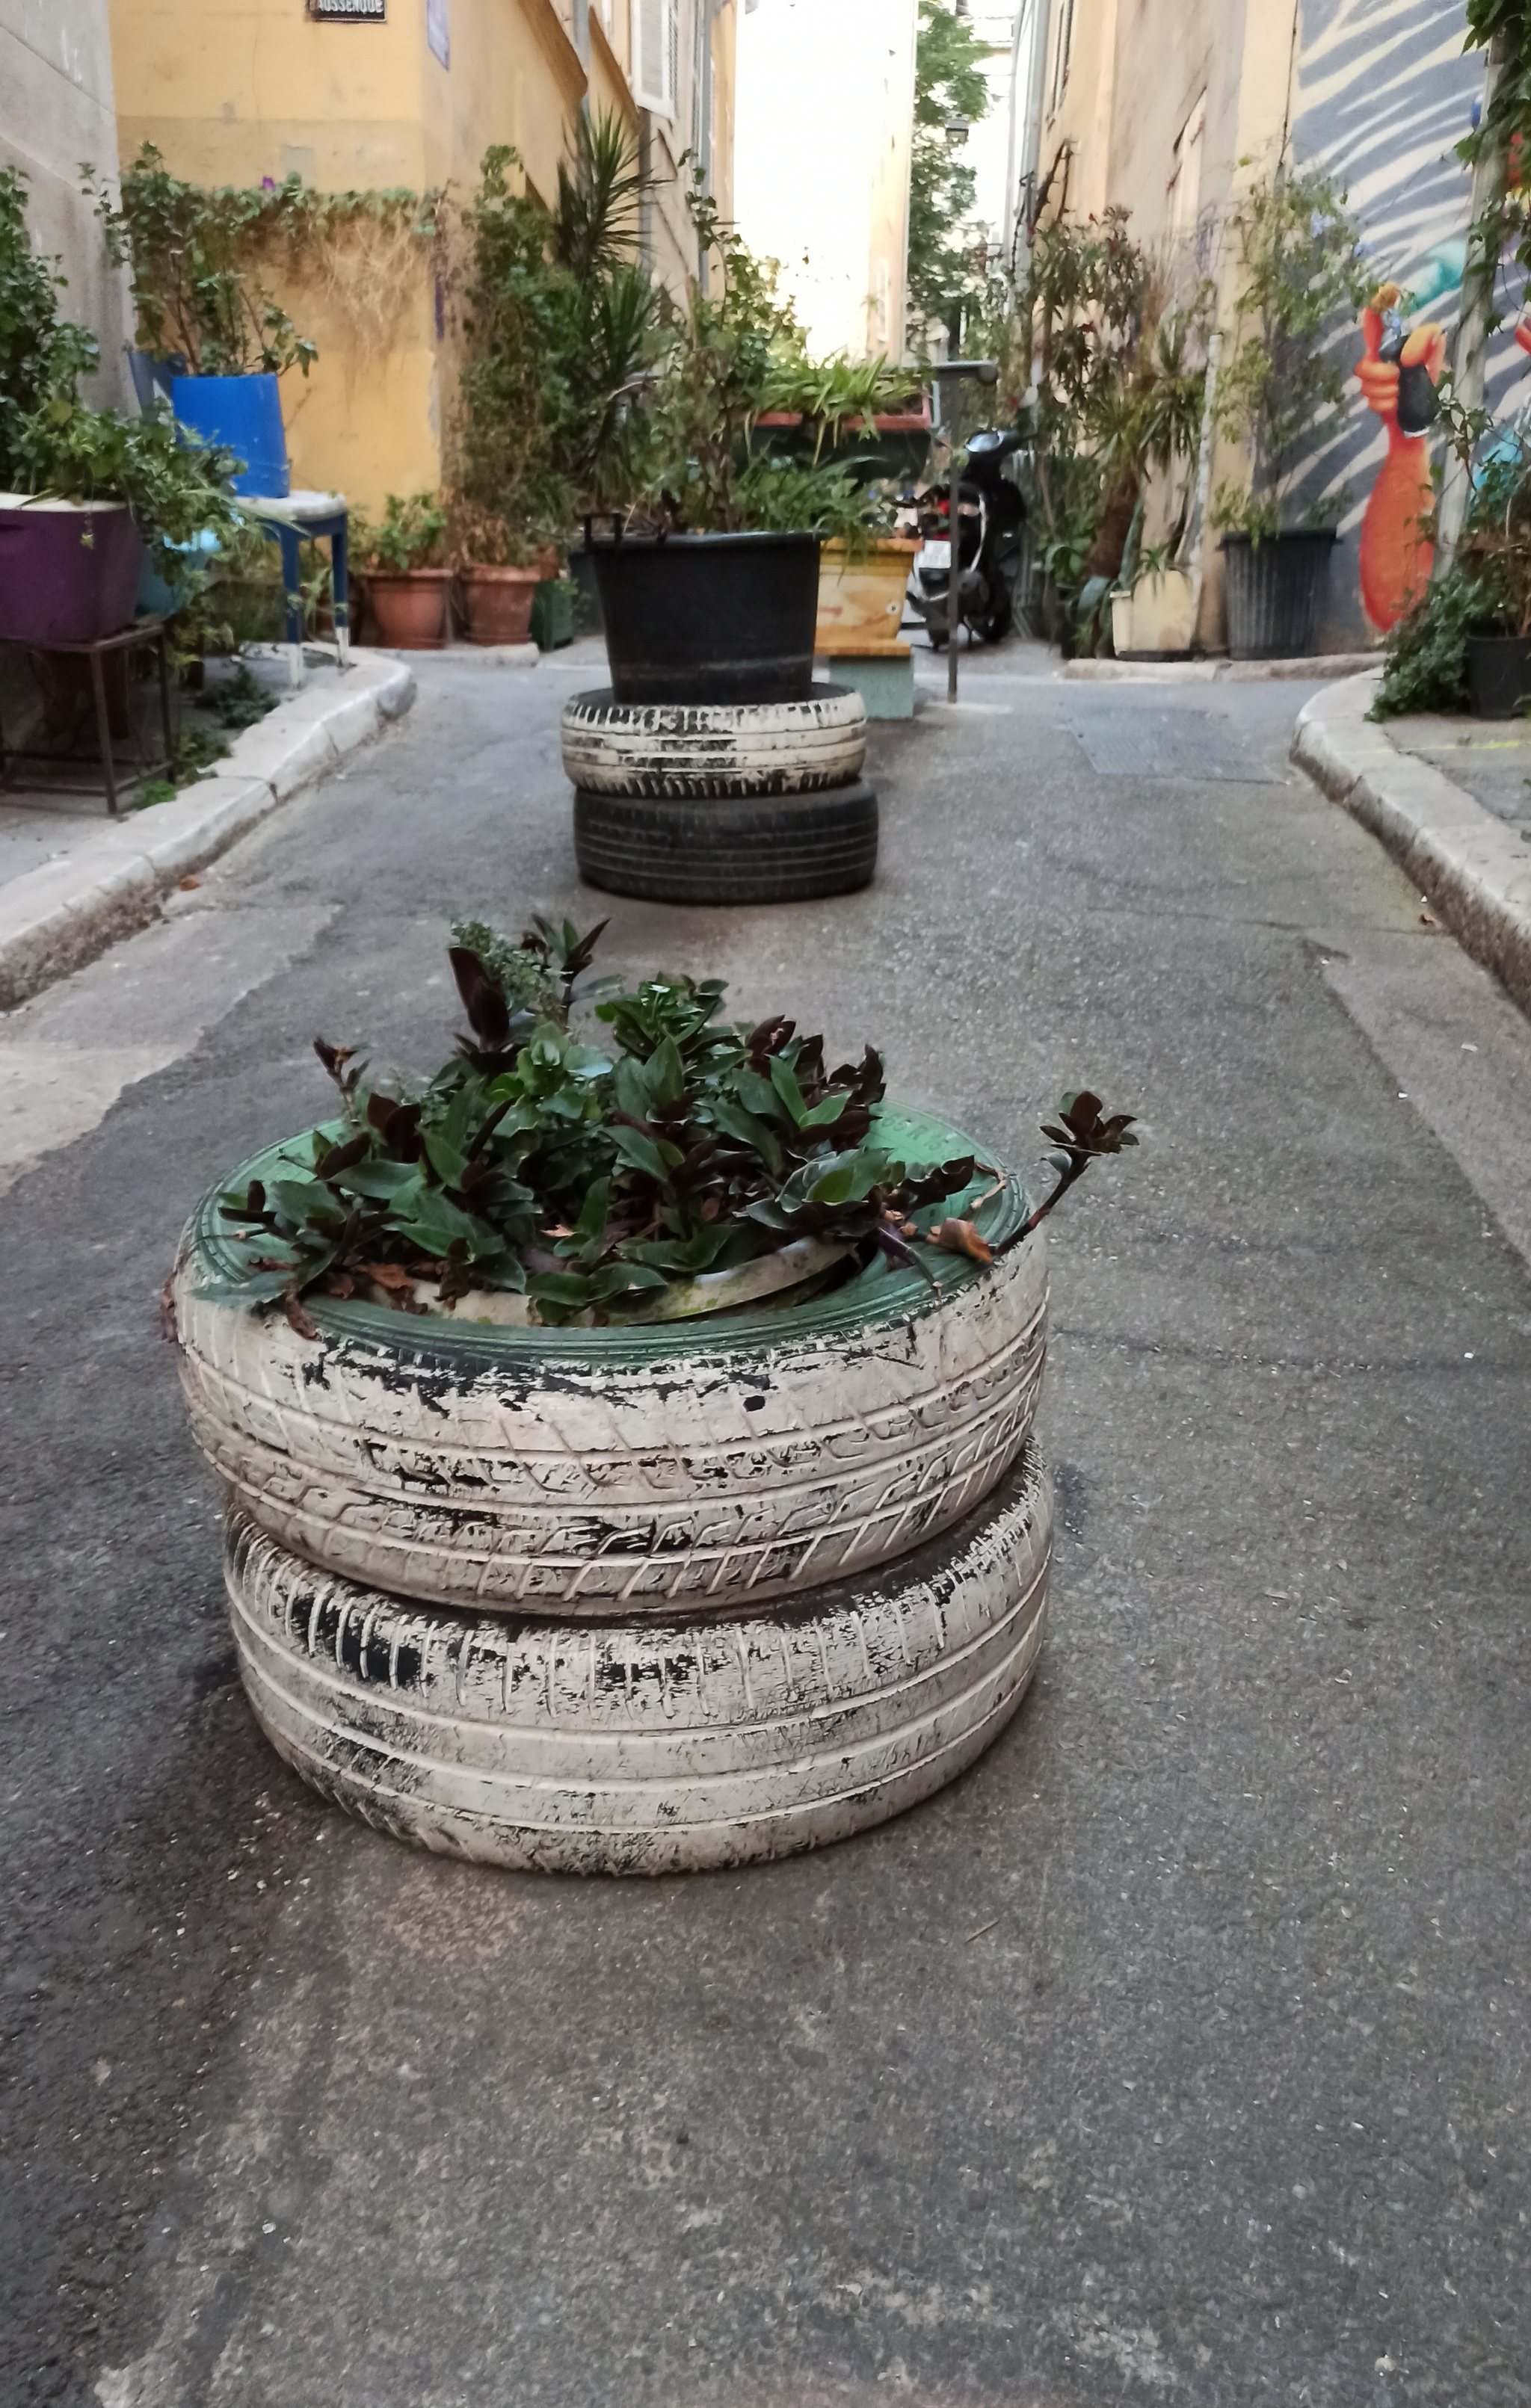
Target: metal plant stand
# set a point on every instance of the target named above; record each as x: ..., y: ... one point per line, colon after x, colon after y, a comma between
x: 144, y: 631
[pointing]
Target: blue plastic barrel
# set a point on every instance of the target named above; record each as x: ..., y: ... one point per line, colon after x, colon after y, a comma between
x: 244, y: 414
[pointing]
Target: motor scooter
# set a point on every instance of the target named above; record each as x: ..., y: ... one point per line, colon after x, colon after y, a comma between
x: 991, y: 519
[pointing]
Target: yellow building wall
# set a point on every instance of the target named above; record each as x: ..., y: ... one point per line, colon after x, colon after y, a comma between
x: 725, y: 33
x: 261, y: 89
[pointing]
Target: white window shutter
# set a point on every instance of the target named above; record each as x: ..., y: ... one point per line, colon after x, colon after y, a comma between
x: 653, y: 84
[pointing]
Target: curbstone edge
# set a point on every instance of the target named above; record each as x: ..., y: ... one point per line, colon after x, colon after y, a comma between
x: 1468, y: 863
x: 56, y: 918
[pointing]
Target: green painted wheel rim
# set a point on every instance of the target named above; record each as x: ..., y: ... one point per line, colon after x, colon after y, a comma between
x: 884, y: 1295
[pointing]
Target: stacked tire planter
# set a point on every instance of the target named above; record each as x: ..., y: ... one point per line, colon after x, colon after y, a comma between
x: 712, y: 770
x: 636, y: 1600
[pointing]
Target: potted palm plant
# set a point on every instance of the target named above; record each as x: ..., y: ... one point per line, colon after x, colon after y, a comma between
x: 506, y: 494
x: 1300, y: 269
x: 711, y: 593
x: 556, y: 318
x: 1151, y: 421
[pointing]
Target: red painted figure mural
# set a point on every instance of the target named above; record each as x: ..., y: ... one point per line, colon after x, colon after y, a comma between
x: 1397, y: 375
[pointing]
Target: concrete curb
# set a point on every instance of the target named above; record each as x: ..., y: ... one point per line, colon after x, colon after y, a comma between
x: 54, y: 919
x: 1473, y: 869
x: 1219, y: 672
x: 477, y: 657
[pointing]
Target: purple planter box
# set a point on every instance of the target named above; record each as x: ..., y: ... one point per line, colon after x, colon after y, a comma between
x: 55, y: 589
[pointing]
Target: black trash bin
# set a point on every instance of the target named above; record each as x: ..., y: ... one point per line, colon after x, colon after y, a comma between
x: 1274, y: 588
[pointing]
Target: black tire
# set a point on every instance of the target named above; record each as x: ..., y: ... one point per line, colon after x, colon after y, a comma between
x: 754, y: 849
x: 999, y: 621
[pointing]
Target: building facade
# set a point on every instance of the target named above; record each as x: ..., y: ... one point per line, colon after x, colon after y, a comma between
x: 58, y: 110
x: 1169, y: 109
x: 825, y: 126
x: 378, y: 95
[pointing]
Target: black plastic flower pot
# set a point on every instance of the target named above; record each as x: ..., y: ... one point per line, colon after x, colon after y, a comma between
x: 1498, y: 674
x: 709, y: 618
x: 1274, y: 588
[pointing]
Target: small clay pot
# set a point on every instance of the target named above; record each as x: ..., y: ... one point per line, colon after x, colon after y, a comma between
x: 410, y: 608
x: 497, y: 603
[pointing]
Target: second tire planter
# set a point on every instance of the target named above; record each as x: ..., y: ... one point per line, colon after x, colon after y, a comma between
x: 713, y: 770
x: 722, y: 803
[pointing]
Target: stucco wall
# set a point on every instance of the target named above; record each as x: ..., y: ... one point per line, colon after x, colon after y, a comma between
x: 263, y: 91
x: 1138, y: 79
x: 702, y: 123
x: 56, y: 109
x: 823, y: 131
x: 1379, y: 91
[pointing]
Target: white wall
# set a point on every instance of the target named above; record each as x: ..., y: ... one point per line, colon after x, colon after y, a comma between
x: 56, y: 108
x: 823, y: 120
x: 987, y: 147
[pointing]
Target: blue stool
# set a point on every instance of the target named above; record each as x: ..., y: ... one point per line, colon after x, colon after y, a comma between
x: 296, y: 519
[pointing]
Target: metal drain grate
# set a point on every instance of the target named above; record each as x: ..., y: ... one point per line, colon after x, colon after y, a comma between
x: 1127, y: 740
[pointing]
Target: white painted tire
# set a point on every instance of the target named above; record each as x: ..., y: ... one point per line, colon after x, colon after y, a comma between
x: 643, y: 1748
x: 681, y: 750
x: 572, y: 1472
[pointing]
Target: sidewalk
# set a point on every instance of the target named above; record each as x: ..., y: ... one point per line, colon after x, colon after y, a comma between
x: 1465, y: 839
x: 72, y: 879
x: 1217, y: 670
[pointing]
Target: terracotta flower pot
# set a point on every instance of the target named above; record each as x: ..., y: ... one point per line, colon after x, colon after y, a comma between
x: 410, y: 606
x: 498, y: 603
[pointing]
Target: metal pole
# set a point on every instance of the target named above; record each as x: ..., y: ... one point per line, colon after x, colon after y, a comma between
x: 1194, y: 547
x: 954, y: 615
x: 949, y: 375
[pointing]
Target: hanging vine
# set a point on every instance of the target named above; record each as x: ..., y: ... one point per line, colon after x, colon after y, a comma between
x: 203, y: 262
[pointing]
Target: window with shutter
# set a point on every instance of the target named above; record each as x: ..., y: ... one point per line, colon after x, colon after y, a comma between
x: 653, y: 78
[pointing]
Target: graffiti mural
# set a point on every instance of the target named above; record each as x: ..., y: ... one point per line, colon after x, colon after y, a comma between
x: 1398, y: 372
x: 1384, y: 94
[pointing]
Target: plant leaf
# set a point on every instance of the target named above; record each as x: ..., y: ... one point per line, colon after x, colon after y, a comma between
x: 488, y: 1014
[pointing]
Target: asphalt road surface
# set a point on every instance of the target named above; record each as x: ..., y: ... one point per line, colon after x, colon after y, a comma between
x: 1178, y: 2052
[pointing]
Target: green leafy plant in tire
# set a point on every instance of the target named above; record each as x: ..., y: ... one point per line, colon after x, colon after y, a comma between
x: 593, y: 1181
